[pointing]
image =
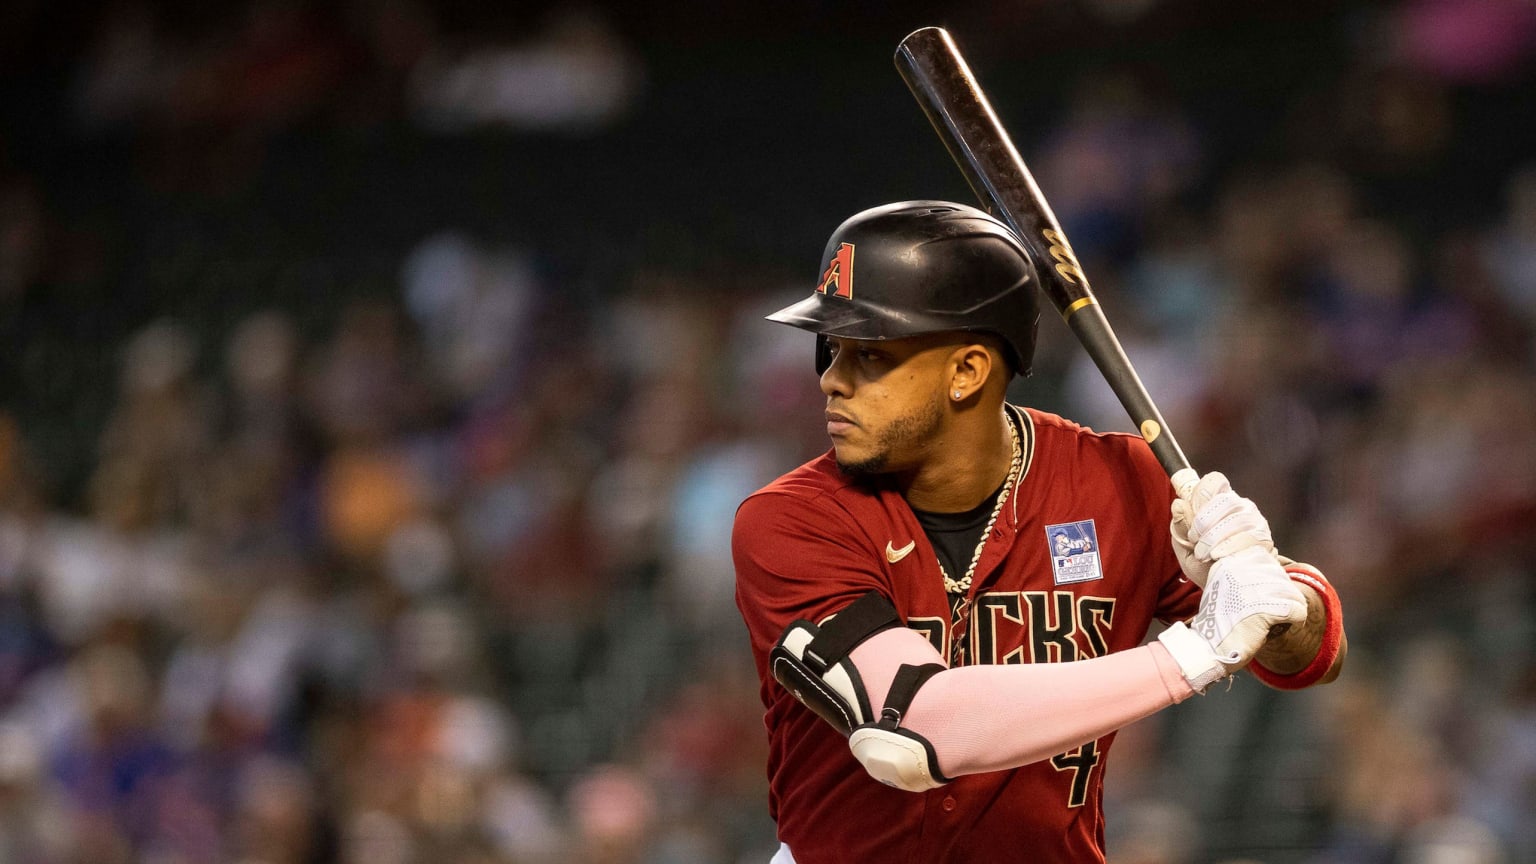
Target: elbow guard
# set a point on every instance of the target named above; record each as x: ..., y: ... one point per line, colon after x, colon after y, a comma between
x: 895, y: 756
x: 812, y: 663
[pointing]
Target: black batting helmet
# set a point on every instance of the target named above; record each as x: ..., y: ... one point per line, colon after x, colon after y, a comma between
x: 922, y: 267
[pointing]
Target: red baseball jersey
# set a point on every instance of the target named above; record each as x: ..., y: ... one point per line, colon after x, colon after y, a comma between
x: 1077, y: 565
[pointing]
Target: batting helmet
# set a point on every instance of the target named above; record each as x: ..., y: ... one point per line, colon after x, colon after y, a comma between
x: 922, y: 267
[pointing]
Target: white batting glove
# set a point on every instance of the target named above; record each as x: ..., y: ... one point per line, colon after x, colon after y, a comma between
x: 1214, y: 522
x: 1248, y: 593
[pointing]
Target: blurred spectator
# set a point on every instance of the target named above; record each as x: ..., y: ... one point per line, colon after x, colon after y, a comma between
x: 22, y: 246
x: 1120, y: 156
x: 1511, y: 246
x: 577, y: 75
x: 1477, y: 42
x: 613, y: 811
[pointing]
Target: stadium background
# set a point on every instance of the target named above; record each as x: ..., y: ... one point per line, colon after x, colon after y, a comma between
x: 379, y: 378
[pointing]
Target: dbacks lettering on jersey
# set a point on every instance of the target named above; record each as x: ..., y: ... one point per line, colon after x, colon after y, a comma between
x: 1030, y: 627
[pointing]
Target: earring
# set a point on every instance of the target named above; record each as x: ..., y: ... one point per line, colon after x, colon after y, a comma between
x: 957, y: 395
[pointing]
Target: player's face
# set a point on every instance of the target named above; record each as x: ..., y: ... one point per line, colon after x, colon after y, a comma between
x: 885, y: 401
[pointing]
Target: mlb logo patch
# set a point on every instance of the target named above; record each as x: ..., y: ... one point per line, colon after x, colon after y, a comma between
x: 1074, y: 552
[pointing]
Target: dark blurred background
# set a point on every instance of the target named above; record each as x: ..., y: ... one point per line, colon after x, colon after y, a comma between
x: 379, y: 379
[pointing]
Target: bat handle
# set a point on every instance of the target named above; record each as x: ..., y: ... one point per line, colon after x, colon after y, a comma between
x: 1184, y: 481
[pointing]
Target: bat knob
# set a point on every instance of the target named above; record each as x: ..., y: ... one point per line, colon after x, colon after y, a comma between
x: 1184, y: 481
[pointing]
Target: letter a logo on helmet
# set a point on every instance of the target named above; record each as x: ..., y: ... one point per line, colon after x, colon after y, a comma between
x: 839, y: 273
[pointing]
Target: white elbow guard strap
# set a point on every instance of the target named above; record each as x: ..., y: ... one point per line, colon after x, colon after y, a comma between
x: 895, y: 756
x: 811, y: 661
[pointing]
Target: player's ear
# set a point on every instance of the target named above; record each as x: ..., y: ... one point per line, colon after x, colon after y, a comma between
x: 971, y: 365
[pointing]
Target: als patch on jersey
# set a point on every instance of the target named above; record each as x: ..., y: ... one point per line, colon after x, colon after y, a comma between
x: 1074, y: 552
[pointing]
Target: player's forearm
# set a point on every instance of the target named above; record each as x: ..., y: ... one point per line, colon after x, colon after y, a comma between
x: 1293, y: 650
x: 990, y: 718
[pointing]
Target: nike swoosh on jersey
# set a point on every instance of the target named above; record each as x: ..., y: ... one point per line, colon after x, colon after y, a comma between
x: 892, y: 554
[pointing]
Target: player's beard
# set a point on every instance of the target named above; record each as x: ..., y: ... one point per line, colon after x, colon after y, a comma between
x: 903, y: 434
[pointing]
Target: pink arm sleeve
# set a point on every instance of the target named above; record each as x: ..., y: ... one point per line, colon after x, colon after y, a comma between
x: 988, y: 718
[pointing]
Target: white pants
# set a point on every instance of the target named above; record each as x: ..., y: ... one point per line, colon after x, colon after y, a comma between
x: 782, y: 856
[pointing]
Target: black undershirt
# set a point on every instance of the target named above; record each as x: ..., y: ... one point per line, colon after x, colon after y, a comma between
x: 954, y: 535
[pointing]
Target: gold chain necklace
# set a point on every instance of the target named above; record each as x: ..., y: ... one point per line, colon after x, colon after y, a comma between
x: 963, y: 586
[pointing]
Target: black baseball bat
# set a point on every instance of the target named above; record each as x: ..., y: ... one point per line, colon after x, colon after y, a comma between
x: 953, y: 100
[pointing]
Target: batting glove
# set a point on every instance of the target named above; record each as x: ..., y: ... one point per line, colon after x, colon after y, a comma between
x: 1248, y: 593
x: 1214, y: 522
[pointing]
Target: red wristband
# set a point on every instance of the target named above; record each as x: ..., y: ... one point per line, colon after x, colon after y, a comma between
x: 1333, y: 634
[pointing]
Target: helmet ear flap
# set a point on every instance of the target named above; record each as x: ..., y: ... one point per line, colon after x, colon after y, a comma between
x: 823, y: 354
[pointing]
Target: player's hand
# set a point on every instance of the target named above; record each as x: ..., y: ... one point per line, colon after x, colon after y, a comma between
x: 1248, y: 593
x: 1214, y: 522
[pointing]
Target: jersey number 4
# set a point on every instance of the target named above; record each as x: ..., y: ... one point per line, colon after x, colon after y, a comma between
x: 1080, y: 762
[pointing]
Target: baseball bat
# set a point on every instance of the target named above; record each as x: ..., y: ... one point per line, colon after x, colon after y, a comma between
x: 953, y: 100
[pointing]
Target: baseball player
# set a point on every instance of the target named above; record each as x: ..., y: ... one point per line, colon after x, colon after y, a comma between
x: 1066, y: 546
x: 940, y: 684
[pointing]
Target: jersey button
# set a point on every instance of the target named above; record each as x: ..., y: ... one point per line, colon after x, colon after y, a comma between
x: 950, y: 804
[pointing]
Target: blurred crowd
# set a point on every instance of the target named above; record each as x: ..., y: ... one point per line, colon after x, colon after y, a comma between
x: 447, y: 578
